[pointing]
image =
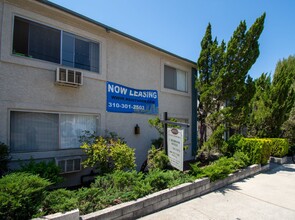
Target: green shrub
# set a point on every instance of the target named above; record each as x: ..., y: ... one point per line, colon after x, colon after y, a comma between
x: 279, y: 147
x: 21, y: 195
x: 258, y: 150
x: 60, y: 200
x: 242, y: 158
x: 91, y: 200
x: 118, y: 179
x: 232, y: 145
x: 4, y: 158
x: 159, y: 179
x: 157, y: 159
x: 220, y: 168
x: 108, y: 155
x: 126, y: 185
x: 47, y: 170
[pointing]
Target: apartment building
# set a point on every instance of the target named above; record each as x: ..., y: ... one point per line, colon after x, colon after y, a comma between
x: 62, y: 73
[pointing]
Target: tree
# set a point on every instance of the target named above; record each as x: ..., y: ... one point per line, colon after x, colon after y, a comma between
x: 223, y: 81
x: 273, y: 101
x: 289, y: 128
x: 282, y: 94
x: 260, y: 105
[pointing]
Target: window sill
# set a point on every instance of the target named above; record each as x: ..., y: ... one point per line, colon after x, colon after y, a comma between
x: 176, y: 92
x: 46, y: 65
x: 16, y: 156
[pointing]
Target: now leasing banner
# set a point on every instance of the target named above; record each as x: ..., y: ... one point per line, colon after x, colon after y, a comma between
x: 128, y: 100
x: 175, y: 147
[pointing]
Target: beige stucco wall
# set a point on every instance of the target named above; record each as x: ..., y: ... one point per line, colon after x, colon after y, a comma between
x: 28, y: 84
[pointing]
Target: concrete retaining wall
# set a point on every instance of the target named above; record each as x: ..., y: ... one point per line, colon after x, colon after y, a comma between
x: 278, y: 160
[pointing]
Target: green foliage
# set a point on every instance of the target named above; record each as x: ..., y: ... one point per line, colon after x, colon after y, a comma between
x: 4, y: 158
x: 273, y: 101
x: 231, y: 146
x: 260, y: 114
x: 216, y: 143
x: 279, y: 147
x: 157, y: 124
x: 91, y: 200
x: 108, y: 154
x: 159, y: 179
x: 289, y: 128
x: 220, y: 168
x: 242, y: 158
x: 21, y: 195
x: 60, y: 200
x: 157, y: 159
x: 282, y: 94
x: 258, y: 150
x: 126, y: 184
x: 49, y: 171
x: 223, y: 82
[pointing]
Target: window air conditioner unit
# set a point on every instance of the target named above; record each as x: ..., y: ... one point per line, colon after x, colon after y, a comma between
x: 69, y: 164
x: 69, y: 77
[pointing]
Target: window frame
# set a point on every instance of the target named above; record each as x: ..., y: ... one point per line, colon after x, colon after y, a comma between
x: 185, y: 69
x: 176, y: 79
x: 58, y: 148
x: 87, y: 38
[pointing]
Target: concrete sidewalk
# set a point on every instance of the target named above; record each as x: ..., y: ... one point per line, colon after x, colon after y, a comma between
x: 266, y: 196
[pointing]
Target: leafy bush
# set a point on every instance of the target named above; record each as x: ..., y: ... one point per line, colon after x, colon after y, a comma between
x: 159, y: 179
x: 91, y: 200
x: 4, y: 158
x: 220, y: 168
x: 60, y: 200
x: 21, y: 195
x: 232, y: 145
x: 242, y: 158
x: 214, y: 145
x: 288, y: 128
x: 258, y: 150
x: 279, y: 147
x: 118, y: 179
x: 45, y: 170
x: 157, y: 159
x: 108, y: 154
x: 130, y: 184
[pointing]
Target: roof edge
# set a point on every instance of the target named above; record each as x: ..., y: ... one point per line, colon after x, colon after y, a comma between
x: 108, y: 28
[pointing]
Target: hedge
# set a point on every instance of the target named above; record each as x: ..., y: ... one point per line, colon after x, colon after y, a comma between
x: 21, y: 195
x: 279, y: 147
x: 258, y: 150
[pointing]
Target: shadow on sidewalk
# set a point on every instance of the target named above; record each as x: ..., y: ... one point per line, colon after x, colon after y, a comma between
x: 276, y: 168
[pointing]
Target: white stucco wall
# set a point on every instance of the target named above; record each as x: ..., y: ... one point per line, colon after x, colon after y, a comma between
x: 29, y: 84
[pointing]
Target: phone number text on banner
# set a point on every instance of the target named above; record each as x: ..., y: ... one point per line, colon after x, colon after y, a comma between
x: 128, y: 100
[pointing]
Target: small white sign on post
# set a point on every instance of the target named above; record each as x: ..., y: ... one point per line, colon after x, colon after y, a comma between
x: 175, y: 147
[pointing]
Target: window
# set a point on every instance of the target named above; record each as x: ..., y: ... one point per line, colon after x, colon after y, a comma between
x: 35, y: 40
x: 32, y: 131
x: 80, y: 53
x: 38, y: 41
x: 175, y: 79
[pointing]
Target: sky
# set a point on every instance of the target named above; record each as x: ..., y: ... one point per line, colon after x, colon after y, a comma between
x: 178, y: 26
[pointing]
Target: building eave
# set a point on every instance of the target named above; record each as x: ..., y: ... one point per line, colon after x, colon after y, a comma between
x: 110, y: 29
